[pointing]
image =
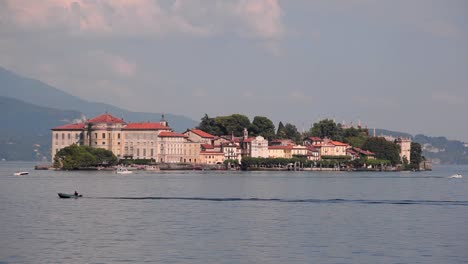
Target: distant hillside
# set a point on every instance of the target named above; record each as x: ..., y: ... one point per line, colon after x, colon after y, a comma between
x: 41, y: 94
x: 25, y: 133
x: 438, y: 149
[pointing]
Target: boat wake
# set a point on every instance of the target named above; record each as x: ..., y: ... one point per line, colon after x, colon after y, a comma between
x: 312, y: 201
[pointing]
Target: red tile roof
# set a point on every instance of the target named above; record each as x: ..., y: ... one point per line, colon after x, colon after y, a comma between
x: 171, y: 134
x: 78, y: 126
x: 315, y: 139
x: 207, y: 146
x: 365, y: 152
x: 106, y: 118
x: 312, y: 148
x: 146, y: 126
x: 202, y: 133
x: 337, y: 143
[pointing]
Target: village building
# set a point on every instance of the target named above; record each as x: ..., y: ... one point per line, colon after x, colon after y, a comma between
x: 331, y: 148
x: 172, y: 147
x: 357, y: 153
x: 313, y: 141
x: 280, y: 152
x: 142, y: 141
x: 313, y: 153
x: 197, y: 135
x: 255, y: 147
x: 299, y: 151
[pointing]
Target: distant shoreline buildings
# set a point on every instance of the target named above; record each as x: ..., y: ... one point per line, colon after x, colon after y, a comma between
x: 157, y: 141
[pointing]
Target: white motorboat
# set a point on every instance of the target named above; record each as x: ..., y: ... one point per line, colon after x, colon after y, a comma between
x: 456, y: 176
x: 19, y: 173
x: 121, y: 170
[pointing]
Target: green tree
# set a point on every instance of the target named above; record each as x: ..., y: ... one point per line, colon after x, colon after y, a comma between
x: 263, y: 126
x: 416, y: 156
x: 74, y: 157
x: 290, y: 132
x: 209, y: 125
x: 383, y: 149
x: 232, y: 124
x: 280, y: 133
x: 327, y: 128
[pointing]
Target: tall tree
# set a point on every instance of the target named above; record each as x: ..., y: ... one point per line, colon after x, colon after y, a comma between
x: 416, y: 155
x: 327, y: 128
x: 383, y: 149
x: 290, y: 132
x: 234, y: 123
x: 280, y: 133
x: 263, y: 126
x: 209, y: 125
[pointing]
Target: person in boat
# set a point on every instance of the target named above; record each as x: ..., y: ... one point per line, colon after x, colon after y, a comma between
x: 76, y: 193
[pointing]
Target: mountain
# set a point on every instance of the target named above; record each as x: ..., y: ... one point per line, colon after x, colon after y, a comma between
x: 41, y: 94
x: 25, y: 133
x: 438, y: 149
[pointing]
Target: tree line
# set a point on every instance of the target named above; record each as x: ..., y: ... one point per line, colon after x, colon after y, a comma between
x: 385, y: 151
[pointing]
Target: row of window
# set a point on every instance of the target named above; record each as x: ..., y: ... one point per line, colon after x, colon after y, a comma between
x: 80, y: 135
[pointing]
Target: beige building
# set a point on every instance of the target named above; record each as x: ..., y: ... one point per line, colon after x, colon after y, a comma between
x: 212, y: 157
x: 66, y: 135
x: 104, y: 131
x: 171, y: 147
x: 142, y: 141
x: 280, y: 152
x: 299, y: 150
x: 332, y: 148
x: 405, y: 148
x: 255, y: 147
x: 197, y: 135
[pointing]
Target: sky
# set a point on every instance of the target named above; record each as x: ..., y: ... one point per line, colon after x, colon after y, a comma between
x: 400, y: 65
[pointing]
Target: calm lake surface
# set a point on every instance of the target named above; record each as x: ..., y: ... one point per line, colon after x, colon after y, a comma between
x: 233, y: 217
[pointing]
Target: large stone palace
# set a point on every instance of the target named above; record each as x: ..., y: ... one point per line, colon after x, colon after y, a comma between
x: 155, y: 140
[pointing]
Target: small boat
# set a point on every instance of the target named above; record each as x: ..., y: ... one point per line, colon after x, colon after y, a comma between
x: 19, y: 173
x: 151, y: 168
x: 123, y: 171
x: 456, y: 176
x: 66, y: 195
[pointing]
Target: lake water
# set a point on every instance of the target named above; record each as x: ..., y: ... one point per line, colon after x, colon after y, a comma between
x: 233, y: 217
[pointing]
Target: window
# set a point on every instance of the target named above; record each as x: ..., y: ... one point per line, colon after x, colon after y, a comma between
x: 63, y: 136
x: 118, y: 136
x: 152, y: 152
x: 95, y: 135
x: 69, y: 136
x: 56, y: 136
x: 103, y: 135
x: 103, y: 143
x: 144, y: 152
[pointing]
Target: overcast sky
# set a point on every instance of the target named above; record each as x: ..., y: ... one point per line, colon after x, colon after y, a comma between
x: 399, y: 65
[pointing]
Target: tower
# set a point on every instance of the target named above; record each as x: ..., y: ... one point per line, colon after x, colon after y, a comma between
x: 405, y: 146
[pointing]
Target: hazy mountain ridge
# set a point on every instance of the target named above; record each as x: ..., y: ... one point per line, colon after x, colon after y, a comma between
x: 438, y: 149
x: 39, y: 93
x: 25, y: 133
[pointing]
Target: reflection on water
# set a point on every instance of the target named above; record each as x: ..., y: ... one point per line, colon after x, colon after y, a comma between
x: 233, y: 217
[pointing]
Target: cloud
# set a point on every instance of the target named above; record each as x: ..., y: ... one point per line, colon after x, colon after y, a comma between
x: 447, y: 98
x: 299, y: 97
x: 263, y: 18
